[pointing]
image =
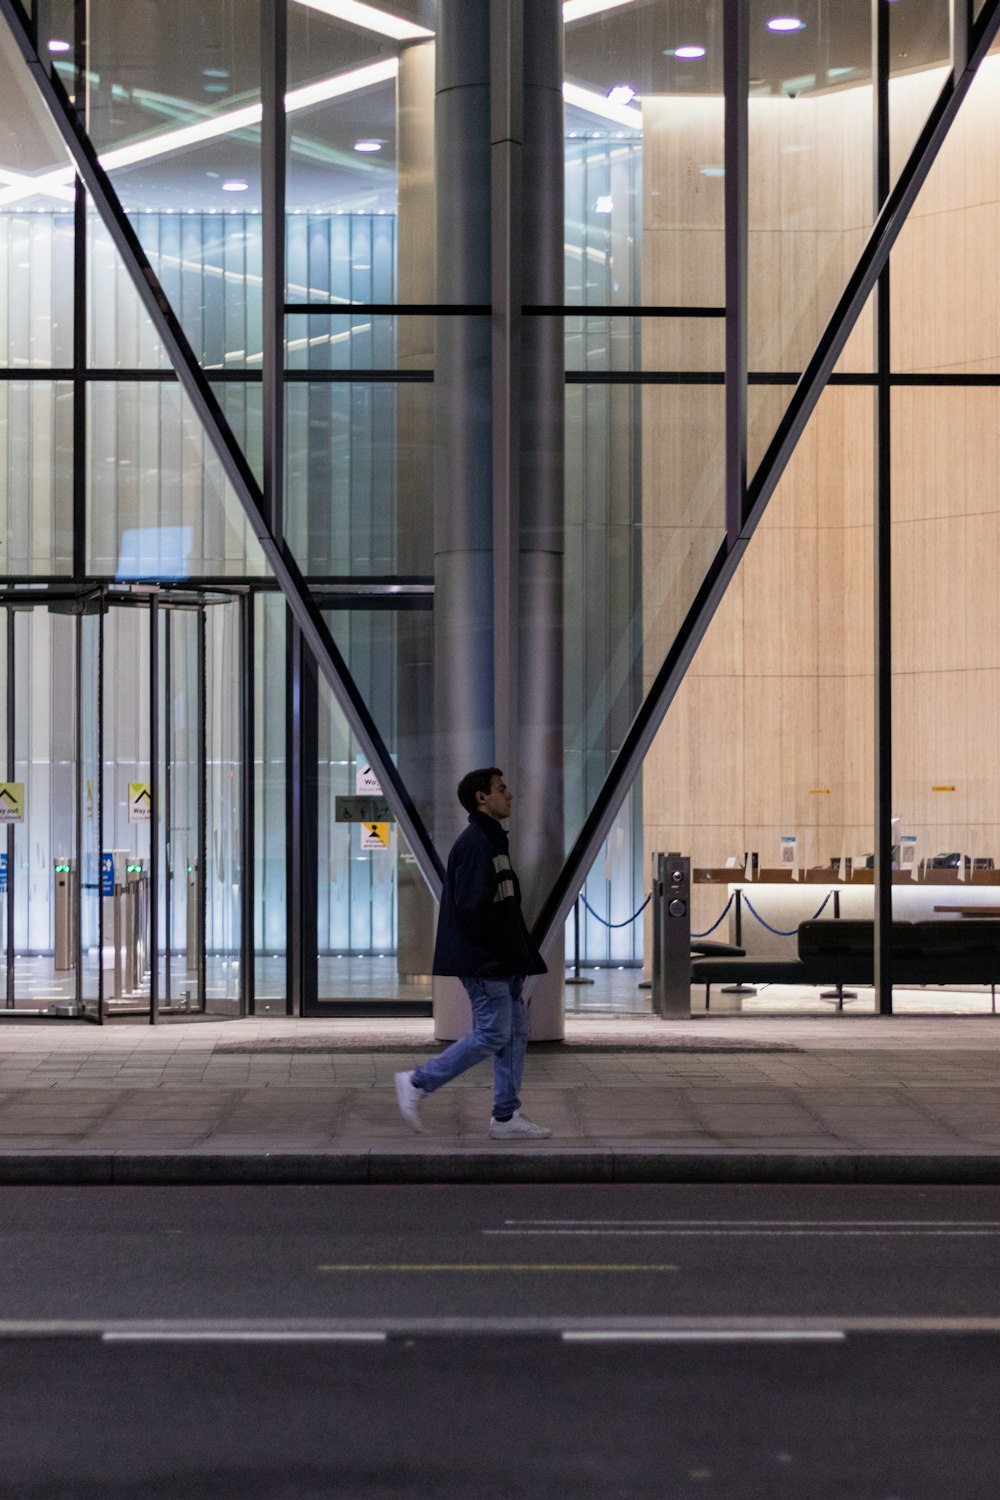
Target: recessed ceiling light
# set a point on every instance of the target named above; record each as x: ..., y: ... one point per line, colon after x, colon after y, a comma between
x: 215, y: 72
x: 58, y: 46
x: 235, y: 186
x: 689, y: 52
x: 786, y: 23
x: 368, y: 146
x: 622, y: 93
x: 604, y: 205
x: 215, y: 88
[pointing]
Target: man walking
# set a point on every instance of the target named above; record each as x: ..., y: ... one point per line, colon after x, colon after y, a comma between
x: 482, y: 939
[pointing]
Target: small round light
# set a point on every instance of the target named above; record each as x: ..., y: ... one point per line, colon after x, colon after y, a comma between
x: 622, y: 93
x: 785, y: 23
x: 689, y: 52
x: 369, y: 146
x: 604, y: 205
x: 235, y: 186
x: 58, y: 46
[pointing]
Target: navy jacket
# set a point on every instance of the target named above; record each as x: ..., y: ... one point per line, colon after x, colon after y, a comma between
x: 481, y: 933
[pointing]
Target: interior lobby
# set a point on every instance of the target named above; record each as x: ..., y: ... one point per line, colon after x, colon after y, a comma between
x: 607, y: 390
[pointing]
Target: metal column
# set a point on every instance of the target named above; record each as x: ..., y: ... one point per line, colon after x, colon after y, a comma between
x: 154, y: 810
x: 882, y: 535
x: 463, y: 499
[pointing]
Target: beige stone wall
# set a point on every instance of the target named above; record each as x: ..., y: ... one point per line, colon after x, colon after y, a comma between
x: 772, y: 731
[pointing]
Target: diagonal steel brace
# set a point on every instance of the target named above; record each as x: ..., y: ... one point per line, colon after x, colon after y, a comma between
x: 874, y: 257
x: 237, y: 470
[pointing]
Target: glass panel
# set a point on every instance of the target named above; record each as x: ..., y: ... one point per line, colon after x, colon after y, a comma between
x: 361, y: 142
x: 946, y: 671
x: 596, y: 344
x: 206, y: 262
x: 341, y: 257
x: 373, y: 904
x: 36, y: 477
x: 179, y: 815
x: 127, y: 777
x: 33, y: 166
x: 270, y: 807
x: 770, y: 738
x: 811, y: 187
x: 644, y: 518
x: 943, y: 259
x: 359, y: 341
x: 173, y: 107
x: 359, y: 478
x: 41, y: 842
x: 89, y: 790
x: 919, y: 63
x: 158, y: 503
x: 36, y: 288
x: 644, y: 152
x: 224, y: 884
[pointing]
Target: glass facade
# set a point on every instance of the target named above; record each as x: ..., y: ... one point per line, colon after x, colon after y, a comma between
x: 362, y: 420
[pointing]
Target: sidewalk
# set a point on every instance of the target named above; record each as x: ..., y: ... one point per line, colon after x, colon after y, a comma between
x: 836, y: 1099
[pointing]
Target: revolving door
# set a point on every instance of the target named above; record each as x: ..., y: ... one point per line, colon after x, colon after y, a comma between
x: 121, y: 860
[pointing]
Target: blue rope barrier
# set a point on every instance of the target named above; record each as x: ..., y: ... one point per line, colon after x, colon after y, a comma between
x: 631, y: 919
x: 709, y: 930
x: 777, y: 930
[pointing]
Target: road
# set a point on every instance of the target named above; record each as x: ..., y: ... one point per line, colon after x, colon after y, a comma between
x: 512, y: 1342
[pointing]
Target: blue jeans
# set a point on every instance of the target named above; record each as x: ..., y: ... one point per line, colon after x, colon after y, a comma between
x: 500, y: 1029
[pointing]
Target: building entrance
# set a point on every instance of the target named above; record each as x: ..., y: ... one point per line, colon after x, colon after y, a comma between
x: 122, y: 852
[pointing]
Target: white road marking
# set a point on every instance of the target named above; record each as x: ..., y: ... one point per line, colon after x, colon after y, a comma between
x: 754, y: 1223
x: 704, y: 1336
x: 828, y: 1233
x: 250, y: 1336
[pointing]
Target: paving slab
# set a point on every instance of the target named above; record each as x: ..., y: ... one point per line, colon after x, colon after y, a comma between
x: 729, y: 1098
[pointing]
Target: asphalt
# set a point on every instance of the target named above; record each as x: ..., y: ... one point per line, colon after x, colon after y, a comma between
x: 839, y: 1099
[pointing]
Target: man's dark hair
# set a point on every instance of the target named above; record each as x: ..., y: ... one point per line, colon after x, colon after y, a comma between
x: 476, y: 781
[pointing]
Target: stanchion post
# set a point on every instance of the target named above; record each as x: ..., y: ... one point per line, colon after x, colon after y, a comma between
x: 576, y: 977
x: 838, y: 992
x: 738, y: 989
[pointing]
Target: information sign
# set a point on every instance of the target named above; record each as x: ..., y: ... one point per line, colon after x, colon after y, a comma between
x: 139, y: 801
x: 11, y: 801
x: 3, y: 874
x: 363, y: 810
x: 365, y: 781
x: 375, y: 837
x: 107, y: 874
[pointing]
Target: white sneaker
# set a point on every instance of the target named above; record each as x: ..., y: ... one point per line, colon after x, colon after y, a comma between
x: 518, y: 1128
x: 410, y: 1099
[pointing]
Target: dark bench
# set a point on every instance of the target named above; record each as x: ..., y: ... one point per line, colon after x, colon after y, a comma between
x: 840, y: 952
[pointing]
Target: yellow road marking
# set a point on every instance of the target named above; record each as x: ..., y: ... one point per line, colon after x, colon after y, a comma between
x: 504, y: 1267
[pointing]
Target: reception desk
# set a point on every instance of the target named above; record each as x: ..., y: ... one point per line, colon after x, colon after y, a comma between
x: 783, y: 903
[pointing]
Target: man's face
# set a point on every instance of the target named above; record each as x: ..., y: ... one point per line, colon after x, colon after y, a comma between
x: 499, y: 801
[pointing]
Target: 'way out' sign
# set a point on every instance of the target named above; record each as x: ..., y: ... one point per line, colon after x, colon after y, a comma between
x: 11, y: 801
x: 139, y: 801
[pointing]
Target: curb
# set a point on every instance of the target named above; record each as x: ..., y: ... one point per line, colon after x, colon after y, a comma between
x: 383, y: 1168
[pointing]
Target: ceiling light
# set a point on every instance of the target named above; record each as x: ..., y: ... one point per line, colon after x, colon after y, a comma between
x: 712, y: 171
x: 367, y: 145
x: 604, y: 204
x: 689, y: 52
x: 58, y: 46
x: 622, y: 93
x: 577, y: 10
x: 235, y: 186
x: 600, y: 104
x: 786, y: 23
x: 215, y: 72
x: 366, y: 16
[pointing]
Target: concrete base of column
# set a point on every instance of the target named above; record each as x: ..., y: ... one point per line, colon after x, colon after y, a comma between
x: 546, y: 1008
x: 547, y: 1004
x: 452, y: 1012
